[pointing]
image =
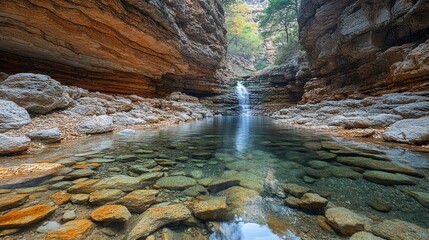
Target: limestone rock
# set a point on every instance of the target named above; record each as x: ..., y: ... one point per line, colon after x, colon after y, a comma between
x: 25, y: 216
x: 156, y: 217
x: 176, y: 182
x: 49, y: 135
x: 12, y: 116
x: 210, y: 209
x: 60, y: 198
x: 72, y: 230
x: 48, y: 226
x: 386, y: 178
x: 104, y: 196
x: 12, y: 145
x: 111, y: 213
x: 68, y: 215
x: 409, y: 131
x: 413, y: 110
x: 139, y: 200
x: 36, y: 93
x: 345, y: 221
x: 397, y: 229
x: 12, y: 201
x: 99, y: 124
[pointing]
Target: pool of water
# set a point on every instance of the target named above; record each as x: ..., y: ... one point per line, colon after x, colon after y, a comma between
x: 264, y: 155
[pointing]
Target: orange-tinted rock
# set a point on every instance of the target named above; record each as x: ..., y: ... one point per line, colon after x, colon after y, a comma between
x: 137, y: 47
x: 111, y: 213
x: 73, y: 230
x: 11, y: 201
x: 211, y: 209
x: 27, y: 172
x: 86, y: 165
x: 139, y: 200
x: 60, y: 198
x: 26, y: 216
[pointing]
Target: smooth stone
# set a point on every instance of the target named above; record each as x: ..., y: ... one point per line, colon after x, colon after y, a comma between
x: 420, y: 197
x: 25, y: 216
x: 344, y: 172
x: 251, y: 181
x: 12, y: 116
x: 72, y: 230
x: 139, y: 200
x: 386, y: 178
x: 80, y: 173
x: 149, y: 164
x: 79, y: 198
x: 101, y: 160
x: 318, y: 173
x: 309, y: 180
x: 111, y: 213
x: 127, y: 158
x: 220, y: 184
x: 13, y: 145
x: 104, y: 196
x: 60, y: 198
x: 312, y: 201
x: 202, y: 155
x: 60, y: 185
x: 324, y: 155
x: 144, y: 151
x: 239, y: 200
x: 380, y: 205
x: 51, y: 135
x: 94, y: 125
x: 292, y: 201
x: 205, y: 181
x: 210, y: 209
x: 345, y: 221
x: 156, y: 217
x: 397, y: 229
x: 295, y: 189
x: 127, y: 132
x: 197, y: 174
x: 176, y: 182
x: 48, y: 226
x: 364, y: 236
x: 68, y: 215
x: 7, y: 232
x: 313, y: 145
x: 412, y: 131
x: 195, y: 191
x: 12, y: 201
x: 318, y: 164
x: 321, y: 220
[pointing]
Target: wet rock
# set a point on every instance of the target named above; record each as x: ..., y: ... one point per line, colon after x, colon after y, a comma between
x: 60, y: 198
x: 68, y: 215
x: 220, y: 184
x: 369, y: 163
x: 12, y: 201
x: 80, y: 173
x: 345, y: 221
x: 7, y: 232
x: 313, y: 145
x: 167, y: 234
x: 397, y: 229
x: 12, y: 116
x: 60, y: 185
x: 292, y: 201
x: 127, y: 158
x: 240, y: 200
x: 309, y: 180
x: 413, y: 110
x: 295, y: 189
x: 317, y: 173
x: 52, y: 135
x: 251, y: 181
x: 104, y: 196
x: 197, y: 174
x: 211, y: 209
x: 101, y: 160
x: 421, y: 197
x: 380, y: 205
x: 79, y: 198
x: 99, y: 124
x: 176, y: 182
x: 25, y: 216
x: 364, y: 236
x: 318, y: 164
x: 35, y: 92
x: 195, y: 191
x: 205, y: 181
x: 72, y: 230
x: 321, y: 220
x: 324, y: 155
x: 409, y: 131
x: 13, y: 145
x: 156, y: 217
x: 139, y: 200
x: 386, y: 178
x: 48, y: 226
x: 202, y: 155
x: 344, y: 172
x: 312, y: 201
x: 111, y: 213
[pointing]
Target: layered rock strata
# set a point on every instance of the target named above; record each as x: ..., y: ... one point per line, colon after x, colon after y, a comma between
x: 362, y: 48
x: 139, y: 47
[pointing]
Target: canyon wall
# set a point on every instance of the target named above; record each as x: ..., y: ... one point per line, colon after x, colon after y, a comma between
x: 359, y: 48
x: 140, y: 47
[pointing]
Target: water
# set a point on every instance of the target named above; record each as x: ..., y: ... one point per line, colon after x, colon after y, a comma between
x: 263, y: 155
x: 243, y: 99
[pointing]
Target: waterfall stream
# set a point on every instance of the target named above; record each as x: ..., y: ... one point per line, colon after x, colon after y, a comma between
x: 243, y: 99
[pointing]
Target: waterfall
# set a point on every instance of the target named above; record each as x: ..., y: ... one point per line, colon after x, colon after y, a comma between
x: 243, y: 99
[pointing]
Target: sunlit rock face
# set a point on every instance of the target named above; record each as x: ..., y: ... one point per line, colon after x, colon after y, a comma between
x: 129, y: 46
x: 358, y: 48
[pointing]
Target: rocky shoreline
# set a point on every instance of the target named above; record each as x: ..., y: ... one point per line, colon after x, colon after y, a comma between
x: 37, y: 110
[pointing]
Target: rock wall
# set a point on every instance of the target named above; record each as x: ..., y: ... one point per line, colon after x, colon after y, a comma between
x: 129, y: 46
x: 359, y: 48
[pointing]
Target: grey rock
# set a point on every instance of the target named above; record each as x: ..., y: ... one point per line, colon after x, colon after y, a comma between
x: 364, y: 236
x: 68, y: 215
x: 12, y: 145
x: 409, y: 131
x: 35, y: 92
x: 176, y: 182
x: 345, y: 221
x: 386, y: 178
x: 99, y: 124
x: 397, y: 229
x: 48, y: 226
x: 49, y: 135
x: 12, y: 116
x: 413, y: 110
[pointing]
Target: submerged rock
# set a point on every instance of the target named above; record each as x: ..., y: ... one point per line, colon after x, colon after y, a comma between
x: 220, y: 184
x: 72, y: 230
x: 211, y: 209
x: 345, y: 221
x: 312, y: 201
x: 48, y: 136
x: 295, y: 189
x: 421, y: 197
x: 104, y: 196
x: 386, y: 178
x: 25, y: 216
x: 111, y: 213
x: 12, y: 116
x: 156, y: 217
x: 12, y: 145
x: 397, y: 229
x: 139, y: 200
x: 176, y: 182
x: 409, y: 131
x: 99, y: 124
x: 364, y: 236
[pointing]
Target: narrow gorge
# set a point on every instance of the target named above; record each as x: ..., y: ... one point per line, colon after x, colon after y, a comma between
x: 214, y: 119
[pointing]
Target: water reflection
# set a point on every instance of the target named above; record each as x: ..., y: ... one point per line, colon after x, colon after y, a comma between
x: 242, y: 135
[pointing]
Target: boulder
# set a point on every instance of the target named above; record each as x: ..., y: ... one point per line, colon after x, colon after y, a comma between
x: 211, y: 209
x: 139, y: 200
x: 413, y: 131
x: 413, y: 110
x: 12, y: 116
x: 156, y: 217
x: 99, y: 124
x: 111, y: 213
x: 397, y: 229
x: 345, y: 221
x: 52, y: 135
x: 72, y: 230
x: 35, y: 92
x: 25, y: 216
x: 386, y: 178
x: 13, y: 145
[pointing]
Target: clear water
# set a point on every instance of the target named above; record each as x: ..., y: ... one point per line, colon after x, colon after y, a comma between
x: 265, y: 155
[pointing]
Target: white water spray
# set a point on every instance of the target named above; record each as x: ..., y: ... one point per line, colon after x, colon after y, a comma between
x: 243, y: 99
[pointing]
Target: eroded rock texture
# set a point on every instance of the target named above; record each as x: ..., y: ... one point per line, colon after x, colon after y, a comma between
x: 128, y: 46
x: 358, y: 48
